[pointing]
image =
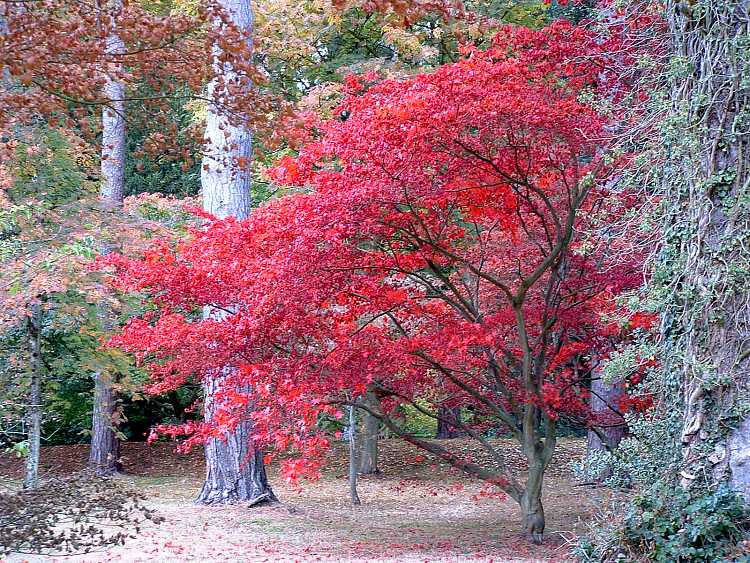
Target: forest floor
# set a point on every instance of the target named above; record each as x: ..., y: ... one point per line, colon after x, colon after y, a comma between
x: 414, y: 511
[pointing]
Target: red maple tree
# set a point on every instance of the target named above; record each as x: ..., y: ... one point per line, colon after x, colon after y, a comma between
x: 447, y: 245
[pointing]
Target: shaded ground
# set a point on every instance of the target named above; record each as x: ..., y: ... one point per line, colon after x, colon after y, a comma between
x: 415, y: 511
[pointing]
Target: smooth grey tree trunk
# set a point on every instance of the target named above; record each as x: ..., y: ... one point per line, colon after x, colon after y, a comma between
x: 610, y: 427
x: 104, y: 454
x: 605, y: 401
x: 113, y: 123
x: 368, y: 459
x: 707, y: 328
x: 225, y: 172
x: 353, y: 495
x: 34, y: 413
x: 234, y: 467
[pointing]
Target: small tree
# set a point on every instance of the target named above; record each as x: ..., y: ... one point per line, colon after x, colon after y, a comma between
x: 437, y: 252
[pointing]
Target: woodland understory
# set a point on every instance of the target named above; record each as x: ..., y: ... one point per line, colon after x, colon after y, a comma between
x: 375, y: 280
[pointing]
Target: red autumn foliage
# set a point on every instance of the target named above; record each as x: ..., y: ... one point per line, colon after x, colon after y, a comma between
x: 446, y: 244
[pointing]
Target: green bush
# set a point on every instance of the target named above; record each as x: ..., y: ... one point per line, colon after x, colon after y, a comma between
x: 666, y: 524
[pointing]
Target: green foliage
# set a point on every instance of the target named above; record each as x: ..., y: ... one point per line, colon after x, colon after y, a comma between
x: 665, y: 524
x: 418, y: 423
x: 149, y: 168
x: 46, y: 168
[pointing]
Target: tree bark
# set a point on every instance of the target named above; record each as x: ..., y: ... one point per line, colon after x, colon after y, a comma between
x: 34, y: 413
x: 532, y: 509
x: 353, y: 457
x: 538, y: 454
x: 225, y: 172
x: 234, y: 467
x: 104, y: 454
x: 446, y: 430
x: 605, y: 412
x: 113, y: 121
x: 368, y: 460
x: 707, y: 326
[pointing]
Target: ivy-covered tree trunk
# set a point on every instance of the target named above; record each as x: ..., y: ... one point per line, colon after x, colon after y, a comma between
x: 234, y: 467
x: 34, y: 411
x: 707, y: 327
x: 104, y: 454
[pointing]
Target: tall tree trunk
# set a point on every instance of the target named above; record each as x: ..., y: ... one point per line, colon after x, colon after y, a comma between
x: 445, y: 429
x: 104, y: 454
x: 34, y: 413
x: 368, y: 459
x: 708, y: 182
x: 234, y: 467
x: 113, y: 124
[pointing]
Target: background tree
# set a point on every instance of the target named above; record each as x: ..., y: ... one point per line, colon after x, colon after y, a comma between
x: 104, y: 455
x: 234, y: 466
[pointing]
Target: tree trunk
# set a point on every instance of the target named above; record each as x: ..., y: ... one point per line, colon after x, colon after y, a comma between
x: 445, y: 429
x: 113, y: 122
x: 707, y: 327
x: 368, y: 460
x: 225, y: 172
x: 104, y: 455
x: 608, y: 426
x: 234, y: 467
x: 353, y: 457
x: 34, y: 413
x: 605, y: 413
x: 531, y: 502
